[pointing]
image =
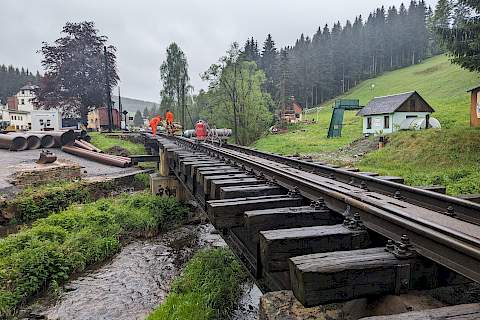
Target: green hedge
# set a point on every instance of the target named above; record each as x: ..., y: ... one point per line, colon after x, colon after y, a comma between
x: 56, y: 247
x: 209, y: 288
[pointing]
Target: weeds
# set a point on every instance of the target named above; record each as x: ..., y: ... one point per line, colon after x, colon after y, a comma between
x: 208, y: 289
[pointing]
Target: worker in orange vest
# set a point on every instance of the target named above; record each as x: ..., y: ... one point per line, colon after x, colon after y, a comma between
x: 169, y: 119
x: 154, y: 123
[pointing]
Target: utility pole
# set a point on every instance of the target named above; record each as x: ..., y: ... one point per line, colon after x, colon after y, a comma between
x: 120, y: 108
x: 107, y: 88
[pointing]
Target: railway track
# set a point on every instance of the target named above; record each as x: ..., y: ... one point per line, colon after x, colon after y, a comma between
x: 328, y: 234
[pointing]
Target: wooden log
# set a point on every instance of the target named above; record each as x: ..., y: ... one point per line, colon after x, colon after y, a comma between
x: 250, y: 191
x: 345, y: 275
x: 216, y: 185
x: 186, y: 166
x: 277, y: 246
x: 229, y: 213
x: 458, y: 312
x: 437, y: 189
x: 192, y: 179
x: 392, y: 179
x: 207, y: 180
x: 290, y: 217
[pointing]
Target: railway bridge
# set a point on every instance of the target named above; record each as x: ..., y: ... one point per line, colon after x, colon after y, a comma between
x: 328, y: 234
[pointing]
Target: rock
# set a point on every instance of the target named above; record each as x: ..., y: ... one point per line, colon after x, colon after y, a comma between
x: 282, y: 305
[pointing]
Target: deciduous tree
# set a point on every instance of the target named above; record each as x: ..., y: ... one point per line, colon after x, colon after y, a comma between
x: 75, y: 74
x: 175, y: 79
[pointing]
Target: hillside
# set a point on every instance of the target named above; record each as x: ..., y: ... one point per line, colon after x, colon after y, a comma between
x: 132, y: 105
x: 441, y: 83
x: 448, y: 156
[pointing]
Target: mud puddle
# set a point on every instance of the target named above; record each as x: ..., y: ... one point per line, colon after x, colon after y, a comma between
x: 137, y: 279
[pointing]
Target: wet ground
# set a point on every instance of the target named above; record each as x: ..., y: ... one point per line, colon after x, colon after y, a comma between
x: 11, y: 159
x: 138, y: 279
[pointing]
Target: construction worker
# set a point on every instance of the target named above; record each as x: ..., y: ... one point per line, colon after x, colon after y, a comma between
x: 169, y: 119
x: 154, y: 123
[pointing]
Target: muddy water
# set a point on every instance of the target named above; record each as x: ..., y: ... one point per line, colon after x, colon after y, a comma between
x: 139, y: 278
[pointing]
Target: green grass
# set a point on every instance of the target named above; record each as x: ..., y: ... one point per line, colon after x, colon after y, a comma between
x: 441, y: 83
x: 40, y: 201
x: 433, y: 157
x: 208, y: 289
x: 63, y: 244
x: 105, y: 142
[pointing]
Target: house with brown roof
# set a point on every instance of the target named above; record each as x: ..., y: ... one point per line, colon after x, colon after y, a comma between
x: 405, y: 111
x: 292, y: 112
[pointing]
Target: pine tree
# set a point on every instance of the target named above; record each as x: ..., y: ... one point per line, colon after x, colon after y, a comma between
x: 267, y: 63
x: 137, y: 119
x: 463, y: 40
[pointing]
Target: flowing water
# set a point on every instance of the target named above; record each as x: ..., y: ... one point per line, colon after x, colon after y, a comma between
x: 137, y: 279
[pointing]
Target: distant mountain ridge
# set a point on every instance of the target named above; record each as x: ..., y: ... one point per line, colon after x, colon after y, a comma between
x: 132, y: 105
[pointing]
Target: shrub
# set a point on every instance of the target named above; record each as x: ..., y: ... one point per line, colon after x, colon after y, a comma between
x: 62, y: 244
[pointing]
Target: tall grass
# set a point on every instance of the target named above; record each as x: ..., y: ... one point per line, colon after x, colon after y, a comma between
x: 443, y: 157
x: 209, y: 288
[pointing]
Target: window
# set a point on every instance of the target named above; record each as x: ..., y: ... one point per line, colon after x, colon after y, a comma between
x: 386, y: 122
x: 41, y: 122
x: 369, y: 123
x: 48, y: 122
x: 409, y: 117
x: 22, y: 101
x: 23, y: 92
x: 130, y: 118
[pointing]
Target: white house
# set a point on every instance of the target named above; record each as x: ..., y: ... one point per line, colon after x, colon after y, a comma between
x: 26, y: 98
x: 46, y: 120
x: 397, y: 112
x: 19, y: 119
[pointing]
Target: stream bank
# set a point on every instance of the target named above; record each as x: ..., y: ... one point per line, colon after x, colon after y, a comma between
x: 137, y: 280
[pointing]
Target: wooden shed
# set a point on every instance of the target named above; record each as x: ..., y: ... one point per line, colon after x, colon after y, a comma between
x: 475, y: 107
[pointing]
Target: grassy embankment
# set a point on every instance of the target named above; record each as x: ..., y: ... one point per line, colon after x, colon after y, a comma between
x: 208, y: 288
x: 104, y: 142
x: 449, y: 156
x: 40, y: 201
x: 54, y: 248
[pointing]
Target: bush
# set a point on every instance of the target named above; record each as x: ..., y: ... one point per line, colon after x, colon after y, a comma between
x: 56, y: 247
x: 209, y: 288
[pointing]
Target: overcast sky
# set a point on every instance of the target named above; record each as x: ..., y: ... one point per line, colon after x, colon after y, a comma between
x: 142, y: 29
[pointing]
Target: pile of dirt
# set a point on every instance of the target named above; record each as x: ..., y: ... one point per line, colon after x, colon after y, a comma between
x: 118, y: 151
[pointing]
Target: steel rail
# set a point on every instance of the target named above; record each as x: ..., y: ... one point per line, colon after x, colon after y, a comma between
x: 448, y: 241
x: 463, y: 209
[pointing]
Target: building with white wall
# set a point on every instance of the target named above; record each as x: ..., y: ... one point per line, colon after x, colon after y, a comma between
x: 46, y: 120
x: 392, y: 113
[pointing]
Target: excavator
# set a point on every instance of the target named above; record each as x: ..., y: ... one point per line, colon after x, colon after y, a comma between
x: 6, y: 127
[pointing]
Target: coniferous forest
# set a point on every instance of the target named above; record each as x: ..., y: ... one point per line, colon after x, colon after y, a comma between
x: 12, y: 79
x: 338, y: 57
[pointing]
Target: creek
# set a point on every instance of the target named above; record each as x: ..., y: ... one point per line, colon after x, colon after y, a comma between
x: 138, y: 278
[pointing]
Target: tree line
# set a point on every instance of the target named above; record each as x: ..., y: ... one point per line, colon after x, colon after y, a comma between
x: 337, y: 58
x: 12, y: 79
